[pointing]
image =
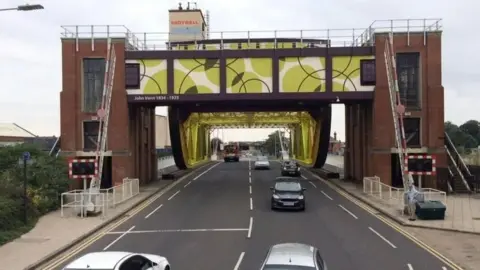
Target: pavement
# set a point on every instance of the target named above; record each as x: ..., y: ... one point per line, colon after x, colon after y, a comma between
x: 220, y: 218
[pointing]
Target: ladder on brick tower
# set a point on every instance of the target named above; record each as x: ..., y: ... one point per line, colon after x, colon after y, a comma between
x: 104, y: 116
x: 397, y: 109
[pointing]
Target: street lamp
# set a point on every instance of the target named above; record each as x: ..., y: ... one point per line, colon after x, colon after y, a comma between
x: 24, y: 8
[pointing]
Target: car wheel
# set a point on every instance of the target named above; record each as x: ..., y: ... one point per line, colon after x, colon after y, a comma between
x: 273, y: 207
x: 167, y: 267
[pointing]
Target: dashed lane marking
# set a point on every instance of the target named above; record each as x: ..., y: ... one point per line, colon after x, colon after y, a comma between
x: 410, y: 267
x: 250, y: 227
x: 251, y: 204
x: 186, y: 185
x: 250, y: 189
x: 204, y: 172
x: 326, y: 195
x: 239, y: 261
x: 348, y: 211
x: 311, y: 183
x: 382, y: 237
x: 304, y: 177
x: 154, y: 210
x: 174, y: 194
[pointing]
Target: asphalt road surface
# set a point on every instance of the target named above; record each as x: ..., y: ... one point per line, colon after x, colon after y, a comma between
x: 220, y: 219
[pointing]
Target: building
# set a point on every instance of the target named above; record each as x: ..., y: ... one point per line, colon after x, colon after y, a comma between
x: 162, y: 135
x: 11, y: 134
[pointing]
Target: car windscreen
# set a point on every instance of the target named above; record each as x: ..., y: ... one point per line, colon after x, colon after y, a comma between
x: 288, y: 186
x: 262, y: 158
x: 287, y: 267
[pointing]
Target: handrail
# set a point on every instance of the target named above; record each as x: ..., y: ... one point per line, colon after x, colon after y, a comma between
x: 459, y: 171
x: 450, y: 143
x: 302, y: 38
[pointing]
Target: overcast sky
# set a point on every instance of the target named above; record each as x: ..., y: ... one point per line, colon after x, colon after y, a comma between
x: 30, y: 51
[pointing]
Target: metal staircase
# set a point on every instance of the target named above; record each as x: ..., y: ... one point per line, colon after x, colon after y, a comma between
x: 104, y: 116
x: 459, y: 173
x: 397, y: 109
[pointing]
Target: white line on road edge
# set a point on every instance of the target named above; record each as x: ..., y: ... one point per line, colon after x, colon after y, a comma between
x: 326, y: 195
x: 154, y: 210
x: 312, y: 184
x: 250, y: 189
x: 249, y: 234
x: 304, y: 177
x: 410, y: 267
x: 200, y: 175
x: 239, y: 262
x: 186, y: 185
x: 118, y: 238
x: 251, y: 204
x: 174, y: 194
x: 183, y: 230
x: 346, y: 210
x: 383, y: 238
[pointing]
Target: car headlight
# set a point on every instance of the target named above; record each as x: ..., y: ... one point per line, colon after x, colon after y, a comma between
x: 298, y: 169
x: 301, y: 197
x: 284, y: 168
x: 276, y: 197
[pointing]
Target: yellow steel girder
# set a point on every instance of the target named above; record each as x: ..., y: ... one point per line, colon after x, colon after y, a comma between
x: 250, y: 119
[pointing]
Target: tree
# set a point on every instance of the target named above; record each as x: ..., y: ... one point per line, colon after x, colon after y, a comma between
x: 47, y: 179
x: 466, y: 136
x: 272, y: 143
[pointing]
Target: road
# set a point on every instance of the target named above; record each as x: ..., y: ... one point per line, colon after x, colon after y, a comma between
x: 220, y: 219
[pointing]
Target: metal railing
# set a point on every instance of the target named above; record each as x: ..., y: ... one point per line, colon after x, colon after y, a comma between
x: 395, y: 197
x: 104, y: 199
x: 253, y: 39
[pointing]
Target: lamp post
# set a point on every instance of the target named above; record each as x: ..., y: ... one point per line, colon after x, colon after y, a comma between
x: 24, y: 8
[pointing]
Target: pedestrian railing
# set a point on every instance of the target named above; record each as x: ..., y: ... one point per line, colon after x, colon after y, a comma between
x: 77, y: 200
x: 392, y: 196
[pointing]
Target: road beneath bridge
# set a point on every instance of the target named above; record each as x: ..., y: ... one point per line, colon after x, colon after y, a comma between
x: 220, y: 218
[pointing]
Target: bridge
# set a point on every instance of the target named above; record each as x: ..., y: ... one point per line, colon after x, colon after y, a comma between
x: 278, y: 78
x: 255, y: 79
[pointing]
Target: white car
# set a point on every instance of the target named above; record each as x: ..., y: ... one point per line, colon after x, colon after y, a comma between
x: 116, y: 260
x: 262, y: 163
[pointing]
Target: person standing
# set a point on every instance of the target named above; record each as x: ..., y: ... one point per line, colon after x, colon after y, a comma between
x: 412, y: 202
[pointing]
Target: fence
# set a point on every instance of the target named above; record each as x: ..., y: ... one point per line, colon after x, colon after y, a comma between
x: 395, y: 197
x: 77, y: 200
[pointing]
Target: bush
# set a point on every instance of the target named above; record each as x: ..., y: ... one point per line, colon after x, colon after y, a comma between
x: 47, y: 178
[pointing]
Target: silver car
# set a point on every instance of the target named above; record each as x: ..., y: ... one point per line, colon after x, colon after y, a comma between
x: 261, y: 163
x: 115, y: 260
x: 294, y: 256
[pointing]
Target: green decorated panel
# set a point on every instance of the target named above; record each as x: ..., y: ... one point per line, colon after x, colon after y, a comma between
x: 196, y: 76
x: 346, y: 74
x: 302, y: 74
x: 249, y: 75
x: 153, y: 77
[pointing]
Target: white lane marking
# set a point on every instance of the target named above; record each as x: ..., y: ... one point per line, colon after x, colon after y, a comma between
x: 174, y: 194
x: 250, y: 189
x: 312, y: 184
x: 251, y: 204
x: 239, y: 262
x: 118, y: 238
x: 382, y: 237
x: 346, y: 210
x: 250, y: 226
x: 444, y: 268
x: 183, y: 230
x: 326, y: 195
x: 186, y: 185
x: 304, y: 177
x: 249, y: 180
x: 249, y: 174
x: 154, y: 210
x: 200, y: 175
x: 410, y: 267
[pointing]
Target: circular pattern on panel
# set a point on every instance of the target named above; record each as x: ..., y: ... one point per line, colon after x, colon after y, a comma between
x: 155, y: 72
x: 197, y: 76
x: 249, y: 75
x: 302, y: 74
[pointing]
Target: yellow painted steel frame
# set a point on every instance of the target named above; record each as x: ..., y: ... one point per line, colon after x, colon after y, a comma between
x: 195, y: 134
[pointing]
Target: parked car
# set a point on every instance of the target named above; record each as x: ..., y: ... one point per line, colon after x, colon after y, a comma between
x: 294, y: 256
x: 290, y: 167
x: 262, y: 163
x: 115, y: 260
x: 288, y: 193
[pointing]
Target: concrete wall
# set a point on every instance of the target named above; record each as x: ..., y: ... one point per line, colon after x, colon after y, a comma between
x: 162, y: 133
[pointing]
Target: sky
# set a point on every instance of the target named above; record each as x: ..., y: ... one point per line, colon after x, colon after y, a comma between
x: 31, y: 48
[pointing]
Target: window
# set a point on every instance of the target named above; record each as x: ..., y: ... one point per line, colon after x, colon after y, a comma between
x: 132, y: 76
x: 90, y: 135
x: 136, y: 262
x: 93, y: 77
x: 412, y: 131
x: 408, y: 72
x: 319, y: 260
x: 367, y: 72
